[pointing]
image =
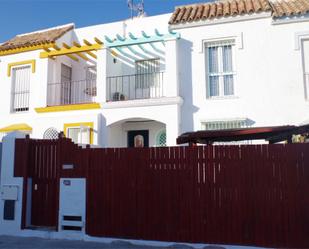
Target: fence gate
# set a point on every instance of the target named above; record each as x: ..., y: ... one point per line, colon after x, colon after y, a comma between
x: 41, y: 180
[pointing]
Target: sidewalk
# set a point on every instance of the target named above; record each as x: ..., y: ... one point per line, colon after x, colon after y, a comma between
x: 9, y: 242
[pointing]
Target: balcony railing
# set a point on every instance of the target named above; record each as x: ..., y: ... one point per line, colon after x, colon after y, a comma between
x: 137, y: 86
x: 71, y: 92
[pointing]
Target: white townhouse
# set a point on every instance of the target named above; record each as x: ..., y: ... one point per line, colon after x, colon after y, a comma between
x: 146, y: 80
x: 243, y: 63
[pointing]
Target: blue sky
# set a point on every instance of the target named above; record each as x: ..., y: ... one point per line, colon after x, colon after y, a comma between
x: 21, y: 16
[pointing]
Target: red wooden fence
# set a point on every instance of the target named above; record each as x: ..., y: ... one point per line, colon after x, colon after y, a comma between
x: 242, y: 195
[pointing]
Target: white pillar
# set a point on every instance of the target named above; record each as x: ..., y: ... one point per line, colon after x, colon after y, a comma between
x: 170, y: 84
x: 10, y: 227
x: 101, y: 75
x: 173, y: 126
x: 39, y: 83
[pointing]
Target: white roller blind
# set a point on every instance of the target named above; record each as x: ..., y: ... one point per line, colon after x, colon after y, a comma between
x: 306, y: 66
x: 79, y: 135
x: 306, y: 55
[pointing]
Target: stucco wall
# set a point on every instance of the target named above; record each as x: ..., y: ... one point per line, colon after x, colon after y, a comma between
x: 269, y: 86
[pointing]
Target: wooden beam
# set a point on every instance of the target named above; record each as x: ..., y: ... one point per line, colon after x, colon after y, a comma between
x: 97, y: 40
x: 93, y: 55
x: 71, y: 50
x: 83, y: 56
x: 87, y: 42
x: 65, y: 45
x: 79, y: 54
x: 74, y: 58
x: 76, y: 44
x: 57, y: 49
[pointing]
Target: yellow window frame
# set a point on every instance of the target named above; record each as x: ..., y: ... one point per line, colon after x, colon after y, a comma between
x: 76, y: 125
x: 19, y: 63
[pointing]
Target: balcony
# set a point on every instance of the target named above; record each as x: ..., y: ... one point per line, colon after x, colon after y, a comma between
x: 136, y: 86
x: 71, y: 92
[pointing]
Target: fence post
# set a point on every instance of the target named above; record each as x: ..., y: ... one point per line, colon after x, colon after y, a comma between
x: 11, y: 188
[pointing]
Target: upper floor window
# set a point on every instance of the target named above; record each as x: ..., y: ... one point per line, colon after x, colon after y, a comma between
x: 20, y: 90
x: 220, y: 68
x: 147, y: 73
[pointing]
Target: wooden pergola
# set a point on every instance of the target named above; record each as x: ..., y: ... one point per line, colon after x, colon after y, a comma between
x: 76, y: 51
x: 272, y: 134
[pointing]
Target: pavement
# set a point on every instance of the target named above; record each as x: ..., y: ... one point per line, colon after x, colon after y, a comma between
x: 9, y: 242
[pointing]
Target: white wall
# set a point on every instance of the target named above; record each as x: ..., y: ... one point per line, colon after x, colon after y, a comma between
x: 118, y: 133
x: 269, y: 86
x: 10, y: 227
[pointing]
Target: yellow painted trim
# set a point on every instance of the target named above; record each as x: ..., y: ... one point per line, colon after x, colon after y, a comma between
x: 16, y: 127
x: 25, y: 49
x: 63, y: 108
x: 19, y: 63
x: 72, y: 50
x: 74, y: 125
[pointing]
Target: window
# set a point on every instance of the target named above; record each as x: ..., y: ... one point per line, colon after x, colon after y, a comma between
x: 220, y: 68
x: 20, y: 89
x: 147, y: 73
x: 224, y: 125
x: 80, y: 133
x: 161, y: 138
x: 66, y: 84
x: 91, y: 80
x: 305, y: 47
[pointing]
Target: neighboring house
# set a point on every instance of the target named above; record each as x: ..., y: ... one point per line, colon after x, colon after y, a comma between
x: 144, y: 81
x: 243, y: 63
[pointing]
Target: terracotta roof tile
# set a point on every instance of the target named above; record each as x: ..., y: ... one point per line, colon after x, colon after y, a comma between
x: 225, y: 8
x: 36, y: 38
x: 206, y: 11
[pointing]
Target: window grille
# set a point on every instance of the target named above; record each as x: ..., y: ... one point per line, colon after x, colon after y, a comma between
x: 50, y: 133
x: 161, y: 138
x: 20, y: 89
x: 220, y: 68
x: 225, y: 125
x: 147, y: 73
x: 66, y: 84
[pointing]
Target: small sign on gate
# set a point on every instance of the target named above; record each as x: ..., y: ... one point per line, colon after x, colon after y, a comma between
x: 67, y: 166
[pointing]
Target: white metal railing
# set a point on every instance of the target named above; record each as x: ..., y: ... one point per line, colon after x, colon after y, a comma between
x: 135, y: 86
x: 71, y: 92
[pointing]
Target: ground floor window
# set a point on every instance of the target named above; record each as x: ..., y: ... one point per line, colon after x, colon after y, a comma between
x: 80, y: 133
x: 226, y: 125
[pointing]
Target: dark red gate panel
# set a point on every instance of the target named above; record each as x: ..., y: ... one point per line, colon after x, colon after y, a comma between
x: 243, y: 195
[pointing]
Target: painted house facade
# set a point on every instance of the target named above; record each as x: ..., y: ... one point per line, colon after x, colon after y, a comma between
x: 143, y: 82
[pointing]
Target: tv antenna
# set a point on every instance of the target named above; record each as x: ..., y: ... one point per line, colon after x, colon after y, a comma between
x: 138, y: 7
